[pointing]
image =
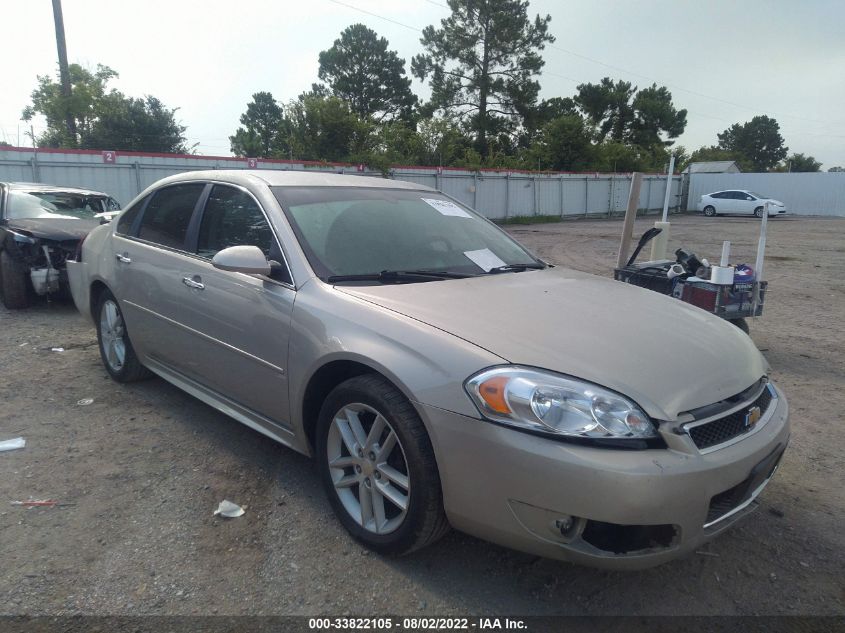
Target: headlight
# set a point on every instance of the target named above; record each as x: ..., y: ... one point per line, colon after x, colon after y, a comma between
x: 550, y: 403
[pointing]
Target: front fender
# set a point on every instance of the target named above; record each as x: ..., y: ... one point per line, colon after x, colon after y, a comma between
x: 428, y: 365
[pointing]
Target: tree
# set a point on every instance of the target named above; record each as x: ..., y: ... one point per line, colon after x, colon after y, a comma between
x: 623, y: 114
x: 758, y: 140
x: 323, y: 128
x: 443, y: 142
x: 261, y: 125
x: 481, y: 64
x: 564, y: 143
x: 361, y: 70
x: 607, y: 106
x: 798, y: 162
x: 615, y: 157
x: 102, y: 118
x: 137, y: 125
x: 836, y: 169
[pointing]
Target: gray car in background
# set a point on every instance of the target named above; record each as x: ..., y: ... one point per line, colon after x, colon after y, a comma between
x: 437, y: 371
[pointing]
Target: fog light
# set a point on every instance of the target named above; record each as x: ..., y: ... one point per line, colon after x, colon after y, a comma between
x: 562, y: 525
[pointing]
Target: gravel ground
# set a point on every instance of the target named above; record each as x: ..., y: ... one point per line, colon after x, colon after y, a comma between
x: 141, y: 469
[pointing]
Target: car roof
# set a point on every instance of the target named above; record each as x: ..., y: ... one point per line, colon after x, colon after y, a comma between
x: 292, y: 178
x: 37, y: 186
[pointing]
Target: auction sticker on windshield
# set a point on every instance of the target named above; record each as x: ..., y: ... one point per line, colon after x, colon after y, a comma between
x: 446, y: 207
x: 485, y: 259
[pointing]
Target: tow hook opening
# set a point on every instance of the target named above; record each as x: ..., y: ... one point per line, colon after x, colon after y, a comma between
x: 627, y: 539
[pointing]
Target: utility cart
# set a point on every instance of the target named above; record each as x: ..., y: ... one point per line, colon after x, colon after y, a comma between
x: 732, y: 302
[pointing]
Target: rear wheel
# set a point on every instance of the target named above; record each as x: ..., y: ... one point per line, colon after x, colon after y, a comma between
x: 378, y: 468
x: 709, y: 211
x: 13, y: 286
x: 116, y: 349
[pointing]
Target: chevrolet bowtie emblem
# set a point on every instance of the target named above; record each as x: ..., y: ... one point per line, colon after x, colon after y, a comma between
x: 752, y: 417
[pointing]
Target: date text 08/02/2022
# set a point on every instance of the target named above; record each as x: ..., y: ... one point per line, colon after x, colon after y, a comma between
x: 416, y: 624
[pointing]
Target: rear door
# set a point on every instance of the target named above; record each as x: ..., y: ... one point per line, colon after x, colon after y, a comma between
x: 150, y: 249
x: 238, y: 324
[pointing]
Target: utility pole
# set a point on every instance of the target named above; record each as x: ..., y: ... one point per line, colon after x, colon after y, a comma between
x: 64, y: 72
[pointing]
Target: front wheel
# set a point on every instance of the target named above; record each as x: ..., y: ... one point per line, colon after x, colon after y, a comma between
x: 709, y: 211
x: 13, y: 283
x: 378, y: 468
x: 758, y: 212
x: 116, y: 349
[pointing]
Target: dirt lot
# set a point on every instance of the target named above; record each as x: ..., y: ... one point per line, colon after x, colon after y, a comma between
x: 142, y: 468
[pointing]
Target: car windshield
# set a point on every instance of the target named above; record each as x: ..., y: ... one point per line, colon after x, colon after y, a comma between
x: 57, y: 204
x: 366, y: 231
x: 757, y: 195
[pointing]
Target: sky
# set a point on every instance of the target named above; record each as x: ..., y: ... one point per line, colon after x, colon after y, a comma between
x: 725, y: 61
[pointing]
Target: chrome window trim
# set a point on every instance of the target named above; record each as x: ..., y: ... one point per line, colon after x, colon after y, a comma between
x: 757, y: 427
x: 134, y: 238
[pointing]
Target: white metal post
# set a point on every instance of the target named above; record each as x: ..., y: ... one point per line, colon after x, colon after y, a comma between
x: 761, y: 250
x: 661, y: 242
x: 668, y: 188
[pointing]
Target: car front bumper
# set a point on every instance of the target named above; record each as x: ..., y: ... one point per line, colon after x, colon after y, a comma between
x: 619, y: 509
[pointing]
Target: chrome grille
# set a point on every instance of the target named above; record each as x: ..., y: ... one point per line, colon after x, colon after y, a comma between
x: 730, y: 426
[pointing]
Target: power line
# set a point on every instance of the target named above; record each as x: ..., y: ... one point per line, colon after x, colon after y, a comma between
x: 674, y: 86
x: 376, y: 15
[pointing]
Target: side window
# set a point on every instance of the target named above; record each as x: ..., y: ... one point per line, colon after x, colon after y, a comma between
x: 232, y: 218
x: 718, y: 196
x: 127, y: 218
x: 168, y: 214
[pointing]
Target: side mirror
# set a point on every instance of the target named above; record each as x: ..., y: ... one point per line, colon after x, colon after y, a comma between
x: 249, y: 260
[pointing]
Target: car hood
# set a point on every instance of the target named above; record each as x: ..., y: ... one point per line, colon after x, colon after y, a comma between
x: 668, y: 356
x: 54, y: 229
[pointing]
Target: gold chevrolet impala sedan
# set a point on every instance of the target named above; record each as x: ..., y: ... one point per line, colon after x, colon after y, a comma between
x: 438, y: 372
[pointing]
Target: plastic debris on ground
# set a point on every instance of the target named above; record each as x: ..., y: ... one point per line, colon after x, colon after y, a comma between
x: 11, y: 445
x: 57, y: 349
x: 35, y: 503
x: 85, y: 402
x: 229, y: 510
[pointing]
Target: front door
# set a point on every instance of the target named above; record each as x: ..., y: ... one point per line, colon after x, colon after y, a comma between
x: 239, y: 325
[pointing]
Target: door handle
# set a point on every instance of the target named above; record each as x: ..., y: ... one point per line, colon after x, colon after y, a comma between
x: 123, y: 259
x: 191, y: 283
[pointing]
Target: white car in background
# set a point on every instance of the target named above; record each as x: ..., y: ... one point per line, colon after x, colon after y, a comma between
x: 738, y: 202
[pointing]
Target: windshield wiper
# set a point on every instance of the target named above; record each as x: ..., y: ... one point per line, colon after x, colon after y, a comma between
x: 391, y: 276
x: 516, y: 268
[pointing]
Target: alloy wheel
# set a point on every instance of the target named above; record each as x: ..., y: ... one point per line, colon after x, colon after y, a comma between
x: 368, y: 468
x: 111, y: 333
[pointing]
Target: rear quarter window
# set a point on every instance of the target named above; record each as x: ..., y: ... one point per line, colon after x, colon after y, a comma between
x: 127, y: 218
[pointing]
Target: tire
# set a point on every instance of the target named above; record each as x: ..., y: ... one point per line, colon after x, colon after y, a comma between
x: 709, y: 211
x: 364, y: 413
x: 758, y: 212
x: 116, y: 349
x: 13, y: 282
x: 742, y: 324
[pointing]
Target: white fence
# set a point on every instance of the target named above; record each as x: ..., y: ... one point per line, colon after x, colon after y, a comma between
x: 821, y: 193
x: 496, y: 194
